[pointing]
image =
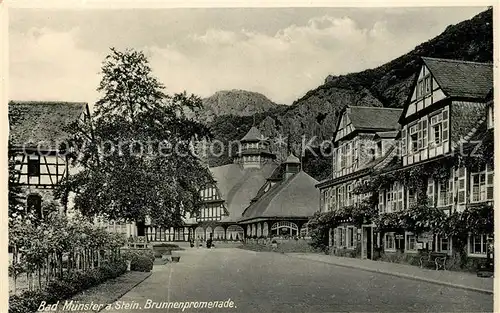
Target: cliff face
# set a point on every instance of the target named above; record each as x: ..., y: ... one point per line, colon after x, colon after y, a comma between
x: 316, y: 113
x: 234, y: 102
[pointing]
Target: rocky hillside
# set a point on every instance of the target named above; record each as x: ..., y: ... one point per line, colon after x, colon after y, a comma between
x: 234, y: 102
x: 316, y: 113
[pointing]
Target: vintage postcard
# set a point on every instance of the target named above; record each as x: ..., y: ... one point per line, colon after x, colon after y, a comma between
x: 250, y: 159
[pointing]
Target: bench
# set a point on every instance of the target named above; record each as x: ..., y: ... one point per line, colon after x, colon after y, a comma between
x: 435, y: 260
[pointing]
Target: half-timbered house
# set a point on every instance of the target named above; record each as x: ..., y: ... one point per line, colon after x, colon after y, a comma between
x: 449, y: 113
x: 39, y: 140
x: 364, y: 141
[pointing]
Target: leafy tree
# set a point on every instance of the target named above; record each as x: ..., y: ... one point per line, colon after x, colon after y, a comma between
x: 16, y: 194
x: 137, y: 155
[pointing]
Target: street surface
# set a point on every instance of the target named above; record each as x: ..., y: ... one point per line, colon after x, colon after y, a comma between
x: 272, y: 282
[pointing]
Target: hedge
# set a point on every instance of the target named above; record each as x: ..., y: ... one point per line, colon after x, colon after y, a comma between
x: 66, y: 287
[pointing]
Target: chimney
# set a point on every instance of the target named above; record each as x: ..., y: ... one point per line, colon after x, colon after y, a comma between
x: 292, y: 166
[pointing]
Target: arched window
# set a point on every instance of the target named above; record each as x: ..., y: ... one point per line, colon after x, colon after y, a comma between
x: 265, y: 230
x: 285, y: 228
x: 208, y: 232
x: 219, y: 233
x: 259, y: 230
x: 249, y: 230
x: 199, y: 233
x: 235, y: 232
x: 254, y: 230
x: 34, y: 204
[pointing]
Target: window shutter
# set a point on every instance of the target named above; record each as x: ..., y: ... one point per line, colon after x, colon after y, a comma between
x: 403, y: 141
x: 445, y: 125
x: 489, y: 186
x: 461, y: 182
x: 381, y: 202
x: 430, y: 191
x: 353, y: 157
x: 450, y: 191
x: 334, y: 160
x: 419, y: 135
x: 424, y: 133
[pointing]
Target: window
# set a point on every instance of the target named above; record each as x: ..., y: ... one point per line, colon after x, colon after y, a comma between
x: 482, y: 186
x: 351, y: 233
x: 430, y: 191
x: 33, y: 165
x: 413, y: 132
x: 339, y: 236
x: 340, y: 197
x: 34, y: 204
x: 424, y: 86
x: 478, y: 244
x: 395, y: 198
x: 442, y: 244
x: 443, y: 193
x: 411, y: 242
x: 437, y: 131
x: 349, y: 195
x: 412, y: 197
x: 428, y: 84
x: 389, y: 244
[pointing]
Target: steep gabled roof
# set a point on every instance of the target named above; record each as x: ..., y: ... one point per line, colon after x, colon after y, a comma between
x: 253, y: 135
x: 387, y: 134
x: 374, y: 118
x: 43, y: 123
x: 461, y: 78
x: 294, y: 197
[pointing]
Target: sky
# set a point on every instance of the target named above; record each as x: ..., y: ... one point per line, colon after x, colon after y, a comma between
x: 56, y: 54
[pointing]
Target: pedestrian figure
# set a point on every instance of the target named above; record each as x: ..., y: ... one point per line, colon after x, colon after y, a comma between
x: 197, y: 242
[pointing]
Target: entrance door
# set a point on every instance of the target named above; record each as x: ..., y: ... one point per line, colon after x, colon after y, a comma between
x: 369, y: 243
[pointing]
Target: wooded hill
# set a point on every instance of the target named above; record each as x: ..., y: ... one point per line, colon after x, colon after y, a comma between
x: 316, y: 113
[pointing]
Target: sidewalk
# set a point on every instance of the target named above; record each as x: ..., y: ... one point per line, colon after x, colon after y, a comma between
x: 468, y: 281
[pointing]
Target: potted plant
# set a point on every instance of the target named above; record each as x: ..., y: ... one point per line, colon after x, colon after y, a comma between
x: 175, y: 257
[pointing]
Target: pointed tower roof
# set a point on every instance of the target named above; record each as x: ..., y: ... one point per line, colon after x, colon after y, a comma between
x: 292, y: 159
x: 253, y: 135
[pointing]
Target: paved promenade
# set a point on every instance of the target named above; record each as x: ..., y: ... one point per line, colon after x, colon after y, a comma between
x: 273, y: 282
x: 462, y: 280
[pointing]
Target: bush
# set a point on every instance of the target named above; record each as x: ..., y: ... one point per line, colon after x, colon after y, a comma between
x: 132, y: 254
x: 158, y: 254
x: 141, y: 263
x: 167, y: 245
x: 64, y: 288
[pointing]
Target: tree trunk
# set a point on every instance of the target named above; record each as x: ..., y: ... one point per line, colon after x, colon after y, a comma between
x: 14, y: 263
x: 39, y: 277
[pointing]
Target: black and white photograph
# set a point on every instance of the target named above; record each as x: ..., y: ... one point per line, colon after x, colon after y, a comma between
x: 308, y: 158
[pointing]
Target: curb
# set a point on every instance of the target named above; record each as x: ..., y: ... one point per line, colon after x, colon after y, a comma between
x: 113, y: 300
x: 428, y: 280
